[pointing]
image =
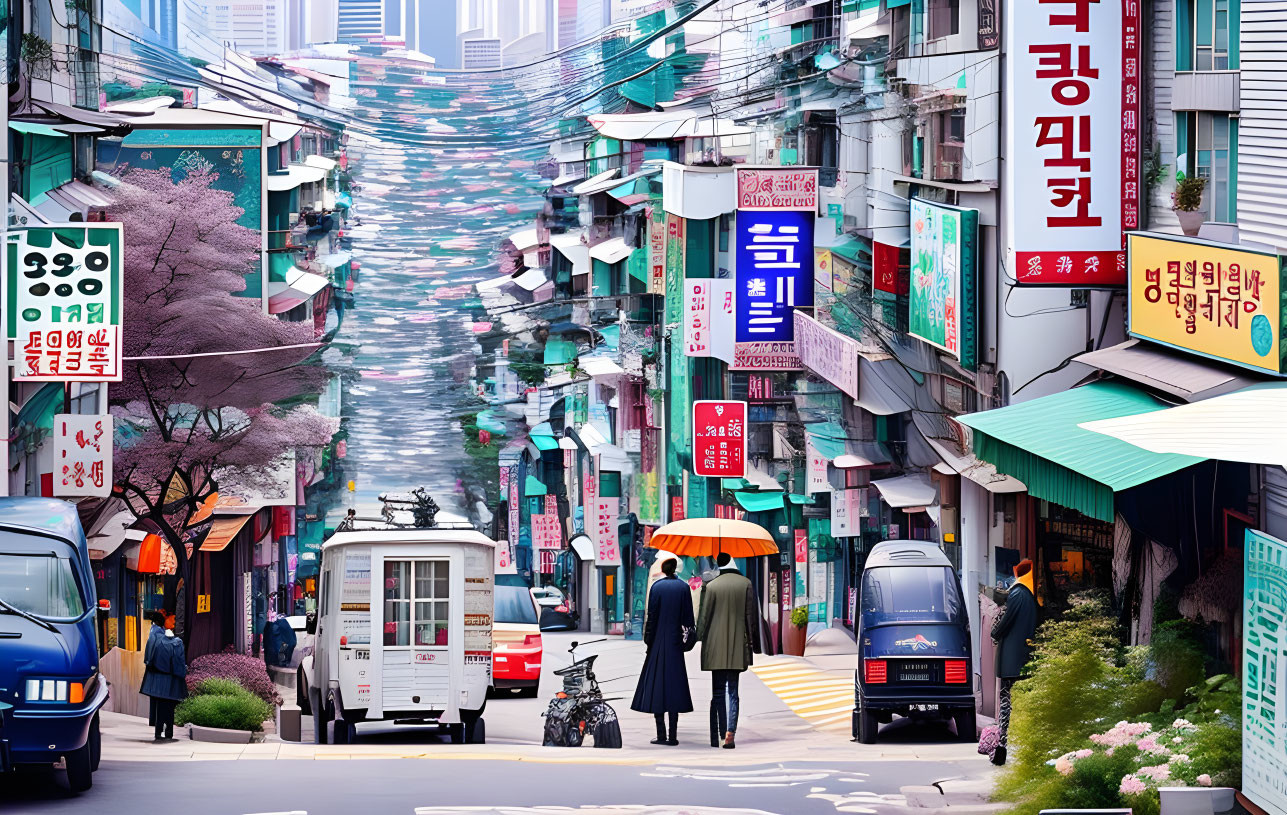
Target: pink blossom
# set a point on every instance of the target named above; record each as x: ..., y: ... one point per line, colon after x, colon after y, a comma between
x: 1109, y: 751
x: 1184, y: 724
x: 1159, y: 772
x: 1204, y: 780
x: 1131, y: 785
x: 1149, y: 744
x: 1063, y: 766
x: 1181, y: 757
x: 1177, y: 740
x: 1084, y: 753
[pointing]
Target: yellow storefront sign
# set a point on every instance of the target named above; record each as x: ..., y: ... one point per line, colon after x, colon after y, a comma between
x: 1215, y: 300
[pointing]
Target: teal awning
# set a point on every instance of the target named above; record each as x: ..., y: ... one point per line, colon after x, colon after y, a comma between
x: 1039, y: 443
x: 279, y: 266
x: 828, y: 438
x: 800, y: 499
x: 734, y: 483
x: 559, y: 352
x: 896, y: 3
x: 36, y: 129
x: 852, y: 250
x: 544, y: 443
x: 759, y: 501
x: 533, y: 487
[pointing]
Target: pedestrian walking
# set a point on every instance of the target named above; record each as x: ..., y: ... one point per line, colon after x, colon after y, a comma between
x: 163, y: 681
x: 1012, y: 632
x: 669, y: 631
x: 156, y: 620
x: 729, y: 632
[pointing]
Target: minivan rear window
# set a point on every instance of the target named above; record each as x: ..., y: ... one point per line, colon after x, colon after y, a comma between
x: 910, y: 594
x: 514, y: 605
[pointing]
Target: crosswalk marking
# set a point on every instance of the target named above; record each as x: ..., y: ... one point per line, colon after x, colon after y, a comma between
x: 823, y: 699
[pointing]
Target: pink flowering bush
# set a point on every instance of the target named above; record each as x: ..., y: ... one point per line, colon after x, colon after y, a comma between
x: 245, y: 670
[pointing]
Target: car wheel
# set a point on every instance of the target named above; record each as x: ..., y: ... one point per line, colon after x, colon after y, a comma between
x: 301, y: 694
x: 95, y: 744
x: 80, y: 773
x: 966, y: 724
x: 868, y: 726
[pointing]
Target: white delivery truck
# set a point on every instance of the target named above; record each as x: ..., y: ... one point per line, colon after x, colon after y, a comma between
x: 403, y: 630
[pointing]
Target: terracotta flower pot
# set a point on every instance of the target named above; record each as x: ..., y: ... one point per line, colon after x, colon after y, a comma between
x: 793, y: 640
x: 1191, y: 221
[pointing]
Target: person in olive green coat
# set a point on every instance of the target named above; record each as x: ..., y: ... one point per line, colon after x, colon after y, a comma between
x: 728, y: 628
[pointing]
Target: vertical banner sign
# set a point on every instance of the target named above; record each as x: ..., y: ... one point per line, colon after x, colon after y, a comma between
x: 656, y: 249
x: 719, y: 439
x: 708, y: 318
x: 63, y: 296
x: 942, y: 305
x: 989, y: 35
x: 801, y: 567
x: 546, y: 533
x: 505, y: 553
x: 844, y: 520
x: 774, y: 277
x: 552, y: 502
x: 816, y: 476
x: 829, y: 354
x: 82, y: 456
x: 1073, y: 131
x: 1264, y: 671
x: 609, y: 547
x: 674, y: 269
x: 590, y: 498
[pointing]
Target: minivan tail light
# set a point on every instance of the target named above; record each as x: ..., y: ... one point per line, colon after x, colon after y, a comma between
x: 874, y: 671
x: 955, y: 672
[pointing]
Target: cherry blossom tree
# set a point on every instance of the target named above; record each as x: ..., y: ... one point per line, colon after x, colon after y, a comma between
x: 200, y: 394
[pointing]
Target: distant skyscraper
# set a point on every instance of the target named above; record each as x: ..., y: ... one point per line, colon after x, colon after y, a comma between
x: 437, y: 26
x: 359, y: 19
x: 256, y: 27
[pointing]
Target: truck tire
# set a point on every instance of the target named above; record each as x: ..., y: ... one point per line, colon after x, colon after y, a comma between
x: 966, y: 724
x: 476, y: 731
x: 95, y: 744
x: 301, y: 693
x: 321, y: 719
x: 457, y: 733
x: 868, y: 726
x: 80, y: 773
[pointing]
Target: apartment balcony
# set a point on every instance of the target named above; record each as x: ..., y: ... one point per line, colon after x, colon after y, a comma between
x: 949, y: 160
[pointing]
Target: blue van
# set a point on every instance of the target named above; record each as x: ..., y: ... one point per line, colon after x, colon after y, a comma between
x: 913, y: 640
x: 50, y: 688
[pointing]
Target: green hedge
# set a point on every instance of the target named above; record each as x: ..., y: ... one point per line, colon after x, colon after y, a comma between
x: 225, y: 704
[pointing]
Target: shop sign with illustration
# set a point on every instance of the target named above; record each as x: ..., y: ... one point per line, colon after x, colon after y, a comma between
x: 828, y: 353
x: 775, y: 271
x: 1264, y: 671
x: 719, y: 439
x: 64, y: 302
x: 778, y: 188
x: 943, y: 300
x: 1074, y: 144
x: 1224, y: 302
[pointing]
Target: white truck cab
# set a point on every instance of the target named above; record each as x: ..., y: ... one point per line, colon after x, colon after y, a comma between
x: 403, y: 630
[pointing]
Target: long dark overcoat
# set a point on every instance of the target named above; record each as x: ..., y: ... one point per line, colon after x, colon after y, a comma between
x: 663, y: 683
x: 1012, y: 631
x: 164, y: 676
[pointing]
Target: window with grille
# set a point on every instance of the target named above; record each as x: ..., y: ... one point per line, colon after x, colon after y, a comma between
x: 417, y: 603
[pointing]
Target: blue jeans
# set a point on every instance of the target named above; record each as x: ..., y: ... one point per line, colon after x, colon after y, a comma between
x: 726, y: 699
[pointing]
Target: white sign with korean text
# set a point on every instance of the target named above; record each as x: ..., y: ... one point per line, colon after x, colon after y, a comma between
x: 82, y: 456
x: 829, y: 354
x: 708, y: 318
x: 816, y: 468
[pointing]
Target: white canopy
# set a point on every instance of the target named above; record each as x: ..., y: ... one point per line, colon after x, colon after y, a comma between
x: 525, y: 239
x: 295, y: 175
x: 570, y: 246
x: 907, y: 491
x: 1242, y: 426
x: 598, y: 182
x: 671, y: 124
x: 611, y: 250
x: 321, y: 163
x: 583, y: 546
x: 600, y: 366
x: 530, y: 280
x: 762, y: 480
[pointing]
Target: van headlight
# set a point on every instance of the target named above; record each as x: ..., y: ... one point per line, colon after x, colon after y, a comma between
x: 56, y: 691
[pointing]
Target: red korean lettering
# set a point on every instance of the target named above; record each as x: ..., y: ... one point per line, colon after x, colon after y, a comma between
x: 1079, y: 19
x: 1066, y: 192
x: 1071, y: 134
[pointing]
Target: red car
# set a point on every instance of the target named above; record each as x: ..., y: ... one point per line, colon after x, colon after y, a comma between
x: 516, y: 638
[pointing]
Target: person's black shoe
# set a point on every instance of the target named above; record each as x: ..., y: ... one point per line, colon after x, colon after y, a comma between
x: 659, y: 741
x: 998, y: 755
x: 672, y: 742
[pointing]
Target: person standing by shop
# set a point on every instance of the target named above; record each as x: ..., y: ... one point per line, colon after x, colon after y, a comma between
x: 163, y: 681
x: 729, y: 632
x: 668, y: 632
x: 1012, y: 633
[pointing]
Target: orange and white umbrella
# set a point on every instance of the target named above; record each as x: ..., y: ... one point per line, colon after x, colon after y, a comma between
x: 708, y: 537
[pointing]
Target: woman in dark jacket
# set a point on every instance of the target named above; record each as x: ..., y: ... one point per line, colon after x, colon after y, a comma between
x: 1012, y: 632
x: 663, y: 683
x: 163, y: 681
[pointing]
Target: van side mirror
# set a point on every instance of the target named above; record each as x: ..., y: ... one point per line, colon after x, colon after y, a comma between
x: 310, y: 622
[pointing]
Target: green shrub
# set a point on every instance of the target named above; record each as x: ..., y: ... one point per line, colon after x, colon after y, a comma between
x: 223, y: 703
x: 1177, y: 656
x: 800, y: 616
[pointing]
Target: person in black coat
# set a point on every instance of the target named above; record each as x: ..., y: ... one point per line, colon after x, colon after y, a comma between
x: 1012, y: 632
x: 156, y: 618
x: 163, y: 681
x: 668, y: 628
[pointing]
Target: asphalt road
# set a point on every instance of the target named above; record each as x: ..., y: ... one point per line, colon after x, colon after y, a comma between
x: 377, y: 787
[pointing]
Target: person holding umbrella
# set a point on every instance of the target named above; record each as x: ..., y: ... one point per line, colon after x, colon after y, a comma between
x: 728, y: 623
x: 668, y: 632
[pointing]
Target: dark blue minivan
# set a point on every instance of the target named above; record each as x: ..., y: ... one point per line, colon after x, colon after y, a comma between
x: 913, y: 640
x: 50, y: 688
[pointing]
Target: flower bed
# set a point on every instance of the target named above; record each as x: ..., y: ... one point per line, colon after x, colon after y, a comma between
x: 225, y: 705
x: 247, y: 671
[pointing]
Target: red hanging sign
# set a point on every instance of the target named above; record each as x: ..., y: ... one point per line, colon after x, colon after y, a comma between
x: 719, y: 439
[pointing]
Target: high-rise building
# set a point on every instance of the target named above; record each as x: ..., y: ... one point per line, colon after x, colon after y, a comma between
x: 309, y: 22
x: 435, y: 27
x: 513, y: 31
x: 256, y: 27
x: 359, y: 19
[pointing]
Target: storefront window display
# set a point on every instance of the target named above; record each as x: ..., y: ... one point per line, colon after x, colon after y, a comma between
x: 1075, y: 553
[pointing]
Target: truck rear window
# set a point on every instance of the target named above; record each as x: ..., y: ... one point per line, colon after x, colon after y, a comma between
x: 910, y: 594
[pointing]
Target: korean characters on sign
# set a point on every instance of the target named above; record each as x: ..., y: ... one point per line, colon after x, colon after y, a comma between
x: 64, y: 302
x: 82, y: 456
x: 708, y: 318
x: 608, y: 547
x: 719, y: 439
x: 1074, y: 139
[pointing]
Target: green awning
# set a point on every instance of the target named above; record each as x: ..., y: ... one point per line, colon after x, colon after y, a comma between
x: 1039, y: 443
x: 544, y: 443
x: 828, y: 438
x: 734, y: 483
x: 279, y: 264
x: 800, y: 499
x: 559, y: 352
x: 533, y: 487
x: 759, y: 501
x: 36, y: 129
x: 852, y: 249
x: 896, y: 3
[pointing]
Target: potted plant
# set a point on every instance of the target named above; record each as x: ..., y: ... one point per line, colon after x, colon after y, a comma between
x: 793, y: 634
x: 1187, y: 201
x: 221, y: 710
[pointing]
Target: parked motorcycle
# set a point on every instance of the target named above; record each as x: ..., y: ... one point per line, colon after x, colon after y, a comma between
x: 580, y: 710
